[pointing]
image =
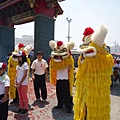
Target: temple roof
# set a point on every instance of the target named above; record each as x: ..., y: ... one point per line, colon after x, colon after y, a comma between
x: 14, y: 7
x: 17, y: 10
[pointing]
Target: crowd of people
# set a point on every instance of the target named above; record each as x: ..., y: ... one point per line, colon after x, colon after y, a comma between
x: 116, y: 71
x: 92, y: 96
x: 39, y: 76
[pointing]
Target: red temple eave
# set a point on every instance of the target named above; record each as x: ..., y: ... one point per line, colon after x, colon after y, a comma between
x: 42, y: 7
x: 59, y: 8
x: 8, y: 3
x: 61, y: 11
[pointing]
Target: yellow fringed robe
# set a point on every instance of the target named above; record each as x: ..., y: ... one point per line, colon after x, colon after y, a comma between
x: 93, y: 80
x: 12, y: 74
x: 54, y: 66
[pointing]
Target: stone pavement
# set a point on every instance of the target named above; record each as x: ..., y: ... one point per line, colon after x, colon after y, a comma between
x: 41, y: 111
x: 115, y: 102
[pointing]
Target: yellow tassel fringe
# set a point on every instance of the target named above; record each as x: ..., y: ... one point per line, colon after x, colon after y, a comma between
x: 93, y: 79
x: 54, y: 66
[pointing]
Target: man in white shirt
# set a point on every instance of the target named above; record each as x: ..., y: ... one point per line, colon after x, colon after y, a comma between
x: 39, y: 75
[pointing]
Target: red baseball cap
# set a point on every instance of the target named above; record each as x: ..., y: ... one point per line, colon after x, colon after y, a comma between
x: 3, y: 65
x: 21, y: 45
x: 21, y: 53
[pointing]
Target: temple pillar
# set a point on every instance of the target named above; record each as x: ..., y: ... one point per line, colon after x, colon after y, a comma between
x: 6, y: 41
x: 44, y: 32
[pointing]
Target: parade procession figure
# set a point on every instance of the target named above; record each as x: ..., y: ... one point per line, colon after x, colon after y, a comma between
x: 93, y: 78
x: 12, y: 63
x: 62, y: 73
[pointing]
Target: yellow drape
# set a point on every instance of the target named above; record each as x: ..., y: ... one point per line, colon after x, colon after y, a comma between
x: 54, y: 66
x: 93, y: 81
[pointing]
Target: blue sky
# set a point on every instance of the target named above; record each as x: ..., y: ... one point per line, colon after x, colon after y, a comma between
x: 84, y: 13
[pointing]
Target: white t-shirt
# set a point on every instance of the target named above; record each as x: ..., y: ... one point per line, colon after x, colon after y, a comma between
x: 62, y: 74
x: 4, y: 82
x: 39, y: 66
x: 117, y: 65
x: 20, y: 73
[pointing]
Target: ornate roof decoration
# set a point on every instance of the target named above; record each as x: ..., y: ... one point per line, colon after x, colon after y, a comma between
x: 18, y: 11
x: 32, y: 3
x: 55, y: 4
x: 54, y: 0
x: 7, y: 3
x: 21, y: 11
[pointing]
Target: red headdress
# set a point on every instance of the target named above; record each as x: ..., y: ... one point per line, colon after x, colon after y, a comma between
x: 21, y: 45
x: 59, y: 43
x: 88, y: 31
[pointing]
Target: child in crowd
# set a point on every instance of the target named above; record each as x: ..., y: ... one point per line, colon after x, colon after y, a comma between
x: 4, y: 89
x: 116, y: 71
x: 22, y: 82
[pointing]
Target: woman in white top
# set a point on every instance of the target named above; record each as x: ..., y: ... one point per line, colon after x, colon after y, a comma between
x: 22, y: 82
x: 4, y: 89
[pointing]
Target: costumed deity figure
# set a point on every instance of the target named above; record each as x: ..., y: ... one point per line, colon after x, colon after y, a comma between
x: 93, y: 79
x: 62, y: 72
x: 12, y: 63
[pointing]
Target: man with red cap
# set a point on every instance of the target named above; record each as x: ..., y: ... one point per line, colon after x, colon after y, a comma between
x: 4, y: 89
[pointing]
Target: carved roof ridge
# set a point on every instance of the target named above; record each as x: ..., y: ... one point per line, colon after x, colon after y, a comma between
x: 8, y: 3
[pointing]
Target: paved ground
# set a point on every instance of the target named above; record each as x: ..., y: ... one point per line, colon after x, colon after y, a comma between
x: 40, y: 111
x: 115, y: 102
